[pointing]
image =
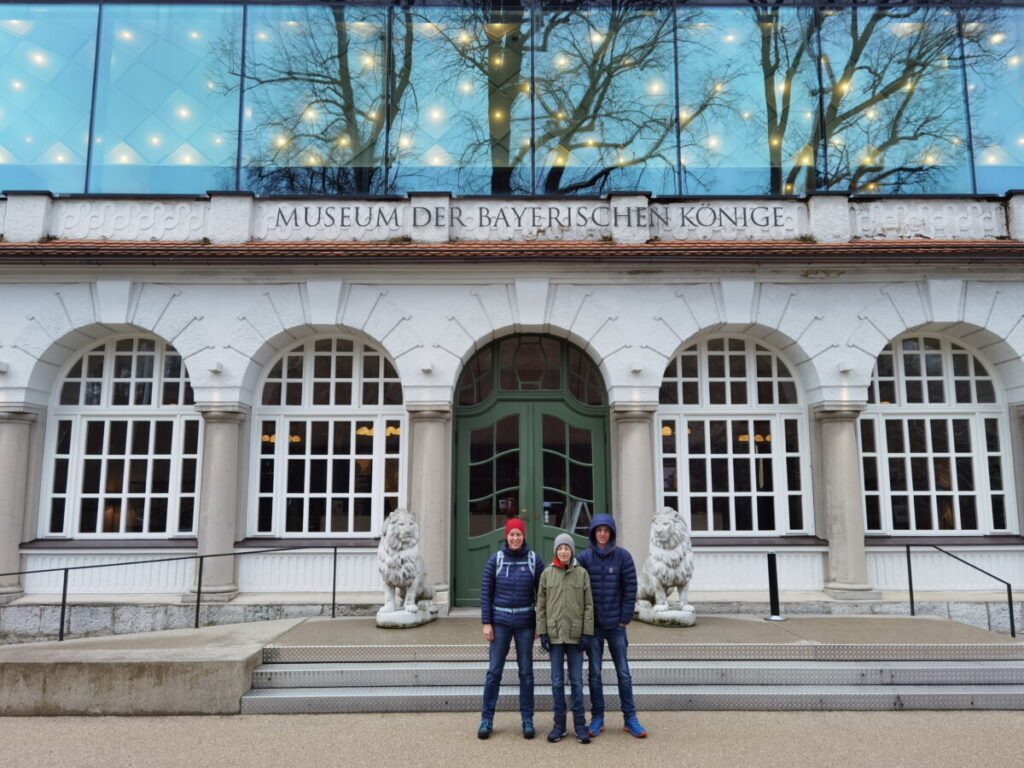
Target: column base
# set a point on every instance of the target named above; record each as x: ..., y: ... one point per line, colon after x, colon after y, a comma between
x: 10, y: 593
x: 840, y: 591
x: 213, y: 595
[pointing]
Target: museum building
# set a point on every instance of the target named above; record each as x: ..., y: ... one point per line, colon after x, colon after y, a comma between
x: 270, y: 271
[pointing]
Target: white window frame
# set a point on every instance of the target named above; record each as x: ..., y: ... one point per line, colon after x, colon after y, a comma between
x: 378, y: 415
x: 678, y: 414
x: 878, y: 414
x: 80, y: 416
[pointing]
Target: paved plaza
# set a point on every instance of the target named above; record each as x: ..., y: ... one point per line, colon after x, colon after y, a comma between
x: 691, y: 739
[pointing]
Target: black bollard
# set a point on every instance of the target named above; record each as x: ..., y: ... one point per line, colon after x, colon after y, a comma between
x: 773, y: 590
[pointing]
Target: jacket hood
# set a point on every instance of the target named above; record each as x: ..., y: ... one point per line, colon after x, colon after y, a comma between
x: 602, y: 519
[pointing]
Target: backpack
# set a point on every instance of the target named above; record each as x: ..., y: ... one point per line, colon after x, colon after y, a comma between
x: 531, y: 559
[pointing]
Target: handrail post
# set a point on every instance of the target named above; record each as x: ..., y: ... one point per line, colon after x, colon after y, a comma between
x: 334, y: 585
x: 1009, y: 602
x: 63, y: 605
x: 199, y: 588
x: 773, y: 590
x: 910, y: 582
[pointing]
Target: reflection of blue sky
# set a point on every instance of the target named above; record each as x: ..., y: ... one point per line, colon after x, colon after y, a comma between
x: 167, y: 108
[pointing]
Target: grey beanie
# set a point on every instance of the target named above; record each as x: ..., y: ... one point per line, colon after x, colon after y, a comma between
x: 564, y: 538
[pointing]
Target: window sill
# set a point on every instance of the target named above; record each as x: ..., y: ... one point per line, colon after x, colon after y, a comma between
x: 182, y: 543
x: 271, y: 542
x: 981, y: 539
x: 712, y: 542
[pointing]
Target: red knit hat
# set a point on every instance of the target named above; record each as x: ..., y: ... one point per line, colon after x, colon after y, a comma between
x: 513, y: 524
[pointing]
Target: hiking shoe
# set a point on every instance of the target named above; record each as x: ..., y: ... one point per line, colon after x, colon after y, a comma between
x: 596, y: 726
x: 633, y: 727
x: 556, y: 733
x: 486, y: 726
x: 528, y: 730
x: 581, y: 734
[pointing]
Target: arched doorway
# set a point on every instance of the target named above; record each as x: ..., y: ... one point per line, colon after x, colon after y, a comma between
x: 531, y: 427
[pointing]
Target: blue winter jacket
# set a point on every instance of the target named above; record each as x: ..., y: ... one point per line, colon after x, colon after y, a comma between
x: 512, y: 588
x: 612, y: 578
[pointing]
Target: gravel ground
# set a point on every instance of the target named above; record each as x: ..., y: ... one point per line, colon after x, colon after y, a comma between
x: 698, y: 739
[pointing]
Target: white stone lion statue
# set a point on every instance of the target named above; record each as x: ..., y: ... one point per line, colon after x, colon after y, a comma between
x: 670, y: 561
x: 400, y: 564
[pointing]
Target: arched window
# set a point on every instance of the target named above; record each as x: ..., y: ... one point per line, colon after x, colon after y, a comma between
x: 328, y: 441
x: 934, y: 442
x: 733, y: 436
x: 124, y: 439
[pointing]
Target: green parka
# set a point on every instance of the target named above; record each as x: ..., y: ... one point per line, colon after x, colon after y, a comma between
x: 565, y: 607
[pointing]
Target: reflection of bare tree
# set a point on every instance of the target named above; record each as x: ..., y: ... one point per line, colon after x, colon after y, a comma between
x: 319, y: 88
x: 885, y: 116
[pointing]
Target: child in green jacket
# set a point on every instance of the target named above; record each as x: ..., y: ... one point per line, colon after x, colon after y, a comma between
x: 565, y: 623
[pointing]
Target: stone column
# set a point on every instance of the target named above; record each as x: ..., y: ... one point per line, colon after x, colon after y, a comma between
x: 218, y: 501
x: 15, y: 431
x: 429, y: 473
x: 842, y: 495
x: 635, y: 493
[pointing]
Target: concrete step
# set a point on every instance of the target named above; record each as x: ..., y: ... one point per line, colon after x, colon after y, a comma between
x: 799, y: 651
x: 454, y: 698
x: 689, y: 673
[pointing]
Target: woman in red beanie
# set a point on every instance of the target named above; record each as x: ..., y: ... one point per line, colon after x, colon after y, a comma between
x: 507, y: 596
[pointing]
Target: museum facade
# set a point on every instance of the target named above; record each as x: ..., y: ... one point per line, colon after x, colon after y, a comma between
x: 269, y: 272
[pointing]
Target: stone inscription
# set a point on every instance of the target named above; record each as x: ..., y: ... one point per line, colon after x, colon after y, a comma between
x: 513, y: 218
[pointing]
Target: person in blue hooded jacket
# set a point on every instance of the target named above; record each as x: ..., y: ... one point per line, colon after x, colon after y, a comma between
x: 613, y: 583
x: 508, y: 592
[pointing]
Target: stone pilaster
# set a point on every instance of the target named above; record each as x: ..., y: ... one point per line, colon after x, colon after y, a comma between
x: 218, y: 501
x: 15, y: 432
x: 429, y: 473
x: 829, y: 214
x: 841, y: 492
x: 635, y: 493
x: 28, y: 216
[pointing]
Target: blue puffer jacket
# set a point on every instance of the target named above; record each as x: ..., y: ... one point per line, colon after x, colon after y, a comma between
x: 612, y: 578
x: 514, y: 587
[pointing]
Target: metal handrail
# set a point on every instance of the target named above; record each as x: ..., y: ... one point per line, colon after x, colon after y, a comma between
x: 910, y: 581
x: 199, y: 575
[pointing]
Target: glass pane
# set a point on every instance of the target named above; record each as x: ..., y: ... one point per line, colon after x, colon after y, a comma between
x: 314, y: 113
x: 894, y: 119
x: 995, y: 89
x: 604, y: 101
x: 463, y: 122
x: 48, y: 54
x: 166, y: 99
x: 748, y: 120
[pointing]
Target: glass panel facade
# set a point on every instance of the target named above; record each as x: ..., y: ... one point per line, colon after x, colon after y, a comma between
x: 166, y: 102
x: 517, y: 99
x: 48, y: 54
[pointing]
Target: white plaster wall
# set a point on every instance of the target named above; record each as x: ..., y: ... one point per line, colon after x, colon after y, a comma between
x: 746, y: 569
x: 309, y: 571
x: 174, y: 577
x: 934, y: 571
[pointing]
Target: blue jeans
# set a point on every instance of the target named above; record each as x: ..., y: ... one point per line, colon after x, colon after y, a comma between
x: 559, y: 653
x: 617, y: 645
x: 496, y: 653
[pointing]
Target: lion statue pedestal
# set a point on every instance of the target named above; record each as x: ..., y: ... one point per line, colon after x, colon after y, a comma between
x: 407, y: 590
x: 668, y: 568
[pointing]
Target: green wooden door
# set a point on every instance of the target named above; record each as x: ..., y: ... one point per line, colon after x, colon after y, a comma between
x: 543, y: 460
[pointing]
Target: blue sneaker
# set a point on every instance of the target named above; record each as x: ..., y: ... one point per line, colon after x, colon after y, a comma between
x: 528, y: 730
x: 486, y: 726
x: 633, y: 728
x: 596, y: 726
x: 581, y: 734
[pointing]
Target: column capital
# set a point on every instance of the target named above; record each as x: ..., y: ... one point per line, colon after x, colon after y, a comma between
x: 838, y: 411
x: 429, y: 411
x: 638, y: 411
x: 222, y: 412
x: 18, y: 414
x: 1018, y: 411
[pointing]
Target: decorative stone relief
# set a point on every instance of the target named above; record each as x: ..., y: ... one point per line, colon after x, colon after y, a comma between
x: 132, y: 220
x: 909, y: 219
x: 407, y: 590
x: 668, y: 569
